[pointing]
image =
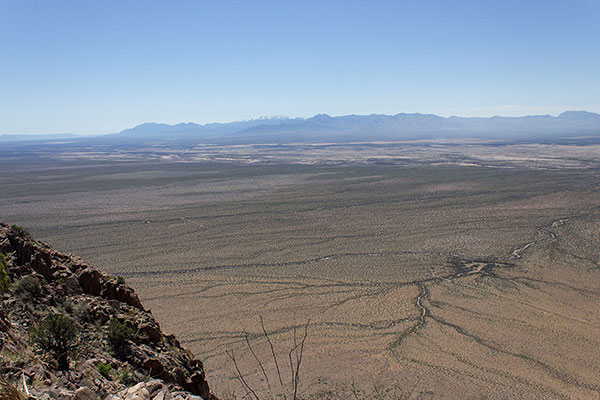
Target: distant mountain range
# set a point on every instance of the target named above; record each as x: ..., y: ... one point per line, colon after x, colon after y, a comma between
x: 358, y: 128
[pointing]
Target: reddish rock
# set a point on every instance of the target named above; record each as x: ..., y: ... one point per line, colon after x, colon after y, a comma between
x: 152, y: 330
x: 85, y: 393
x: 156, y: 369
x: 41, y: 263
x: 199, y: 384
x: 90, y: 281
x: 122, y: 293
x: 91, y: 299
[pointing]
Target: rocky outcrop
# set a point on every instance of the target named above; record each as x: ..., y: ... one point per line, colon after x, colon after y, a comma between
x: 90, y: 281
x: 94, y: 283
x: 44, y: 281
x: 152, y: 390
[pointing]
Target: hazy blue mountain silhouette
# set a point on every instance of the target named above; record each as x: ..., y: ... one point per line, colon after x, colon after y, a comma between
x: 374, y: 127
x: 357, y: 128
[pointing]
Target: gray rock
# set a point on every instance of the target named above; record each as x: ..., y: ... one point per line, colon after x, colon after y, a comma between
x: 162, y: 395
x: 85, y: 393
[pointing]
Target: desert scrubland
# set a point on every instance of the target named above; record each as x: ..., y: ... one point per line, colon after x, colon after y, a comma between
x: 431, y: 270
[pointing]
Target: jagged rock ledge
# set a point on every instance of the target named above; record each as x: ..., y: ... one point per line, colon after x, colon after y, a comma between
x: 40, y: 282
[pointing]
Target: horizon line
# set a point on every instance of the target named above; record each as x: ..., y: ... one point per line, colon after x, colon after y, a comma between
x: 285, y: 117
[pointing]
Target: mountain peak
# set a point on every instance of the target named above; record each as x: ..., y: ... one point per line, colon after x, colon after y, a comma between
x: 579, y: 115
x: 321, y: 117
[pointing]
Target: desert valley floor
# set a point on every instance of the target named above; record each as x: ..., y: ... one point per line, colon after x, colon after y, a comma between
x: 434, y: 280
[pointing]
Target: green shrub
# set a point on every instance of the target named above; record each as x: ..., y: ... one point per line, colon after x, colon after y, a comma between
x: 4, y: 280
x: 20, y: 230
x: 104, y: 369
x: 126, y: 377
x: 120, y: 280
x: 29, y: 286
x: 57, y: 336
x: 118, y: 336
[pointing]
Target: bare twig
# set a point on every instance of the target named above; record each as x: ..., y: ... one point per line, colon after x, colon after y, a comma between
x: 377, y: 392
x: 274, y: 357
x: 299, y: 359
x: 292, y: 374
x: 240, y: 377
x: 292, y: 350
x: 355, y: 392
x: 25, y: 388
x: 295, y: 356
x: 260, y: 365
x: 295, y: 340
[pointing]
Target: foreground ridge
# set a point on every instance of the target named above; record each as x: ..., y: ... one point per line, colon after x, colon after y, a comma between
x: 67, y: 331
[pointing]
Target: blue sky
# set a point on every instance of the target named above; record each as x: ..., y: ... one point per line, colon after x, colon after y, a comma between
x: 103, y: 66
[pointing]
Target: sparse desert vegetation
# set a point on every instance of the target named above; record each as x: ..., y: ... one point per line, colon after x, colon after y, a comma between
x: 57, y: 336
x: 52, y: 348
x: 422, y: 276
x: 299, y: 200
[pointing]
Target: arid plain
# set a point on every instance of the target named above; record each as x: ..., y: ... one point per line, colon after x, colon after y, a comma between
x: 427, y: 271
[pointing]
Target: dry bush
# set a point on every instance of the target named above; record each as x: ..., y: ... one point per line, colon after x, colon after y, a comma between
x: 9, y: 392
x: 284, y: 389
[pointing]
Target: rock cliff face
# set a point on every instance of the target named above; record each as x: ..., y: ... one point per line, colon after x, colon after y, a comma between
x: 119, y: 349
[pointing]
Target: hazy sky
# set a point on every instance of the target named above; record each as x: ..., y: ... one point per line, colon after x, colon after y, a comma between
x: 103, y: 66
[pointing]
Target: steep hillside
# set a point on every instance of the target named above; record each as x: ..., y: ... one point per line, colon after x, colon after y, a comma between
x: 67, y: 331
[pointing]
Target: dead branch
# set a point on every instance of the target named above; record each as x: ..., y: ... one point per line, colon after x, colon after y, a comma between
x: 240, y: 377
x: 295, y: 356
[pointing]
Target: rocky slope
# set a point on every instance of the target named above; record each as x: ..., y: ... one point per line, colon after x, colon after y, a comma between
x: 116, y: 348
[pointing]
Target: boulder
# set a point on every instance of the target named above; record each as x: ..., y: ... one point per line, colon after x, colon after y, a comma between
x: 122, y: 293
x: 144, y: 391
x: 160, y: 395
x: 90, y: 281
x: 41, y: 264
x: 199, y: 384
x: 156, y: 368
x: 71, y: 285
x: 85, y: 393
x: 154, y: 386
x: 152, y: 330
